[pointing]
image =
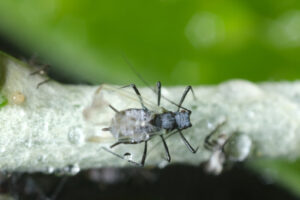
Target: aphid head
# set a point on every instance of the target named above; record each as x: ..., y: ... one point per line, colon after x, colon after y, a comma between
x: 183, y: 119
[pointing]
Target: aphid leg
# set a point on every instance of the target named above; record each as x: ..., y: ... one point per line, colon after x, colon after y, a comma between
x: 122, y: 142
x: 43, y: 82
x: 144, y: 154
x: 166, y: 148
x: 194, y: 96
x: 187, y: 143
x: 187, y: 89
x: 42, y: 70
x: 122, y: 157
x: 138, y: 94
x: 129, y: 142
x: 158, y: 86
x: 113, y: 108
x: 223, y: 145
x: 208, y: 144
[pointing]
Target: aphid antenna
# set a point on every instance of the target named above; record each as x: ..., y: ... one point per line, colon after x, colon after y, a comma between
x: 148, y: 85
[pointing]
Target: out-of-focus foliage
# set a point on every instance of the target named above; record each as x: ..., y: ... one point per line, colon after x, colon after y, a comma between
x: 287, y: 173
x: 175, y: 41
x: 3, y: 100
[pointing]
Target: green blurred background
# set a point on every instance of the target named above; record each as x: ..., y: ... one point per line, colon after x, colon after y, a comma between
x: 175, y: 41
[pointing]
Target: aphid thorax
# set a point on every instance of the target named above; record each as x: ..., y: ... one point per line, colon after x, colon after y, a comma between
x: 172, y: 120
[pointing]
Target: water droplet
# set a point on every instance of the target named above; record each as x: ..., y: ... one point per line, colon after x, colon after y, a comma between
x: 50, y: 169
x: 209, y: 125
x: 75, y: 135
x: 163, y: 164
x: 127, y: 156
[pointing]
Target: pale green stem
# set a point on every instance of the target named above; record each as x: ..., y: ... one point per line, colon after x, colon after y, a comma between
x: 59, y: 127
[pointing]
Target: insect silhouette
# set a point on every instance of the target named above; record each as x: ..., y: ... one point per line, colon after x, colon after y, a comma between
x: 137, y: 125
x: 41, y: 71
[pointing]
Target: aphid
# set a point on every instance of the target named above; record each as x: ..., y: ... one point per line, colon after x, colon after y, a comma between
x: 137, y: 125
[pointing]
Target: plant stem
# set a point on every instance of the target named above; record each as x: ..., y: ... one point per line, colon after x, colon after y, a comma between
x: 59, y: 127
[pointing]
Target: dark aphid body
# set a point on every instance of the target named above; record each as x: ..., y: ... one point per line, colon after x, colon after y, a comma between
x: 173, y: 120
x: 132, y: 126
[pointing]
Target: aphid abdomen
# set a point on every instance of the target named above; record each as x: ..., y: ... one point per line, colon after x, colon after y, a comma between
x: 133, y: 124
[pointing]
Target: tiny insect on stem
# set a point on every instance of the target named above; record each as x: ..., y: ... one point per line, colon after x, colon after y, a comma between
x: 134, y: 125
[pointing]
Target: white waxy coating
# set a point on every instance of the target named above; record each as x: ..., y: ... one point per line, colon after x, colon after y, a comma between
x: 51, y: 131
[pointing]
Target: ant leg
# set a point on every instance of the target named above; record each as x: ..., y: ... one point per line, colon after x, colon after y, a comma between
x: 158, y: 86
x: 113, y: 108
x: 166, y: 148
x: 144, y: 154
x: 187, y: 89
x: 187, y: 143
x: 138, y: 94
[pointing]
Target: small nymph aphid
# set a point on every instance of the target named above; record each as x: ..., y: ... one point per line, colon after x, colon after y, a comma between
x: 137, y: 125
